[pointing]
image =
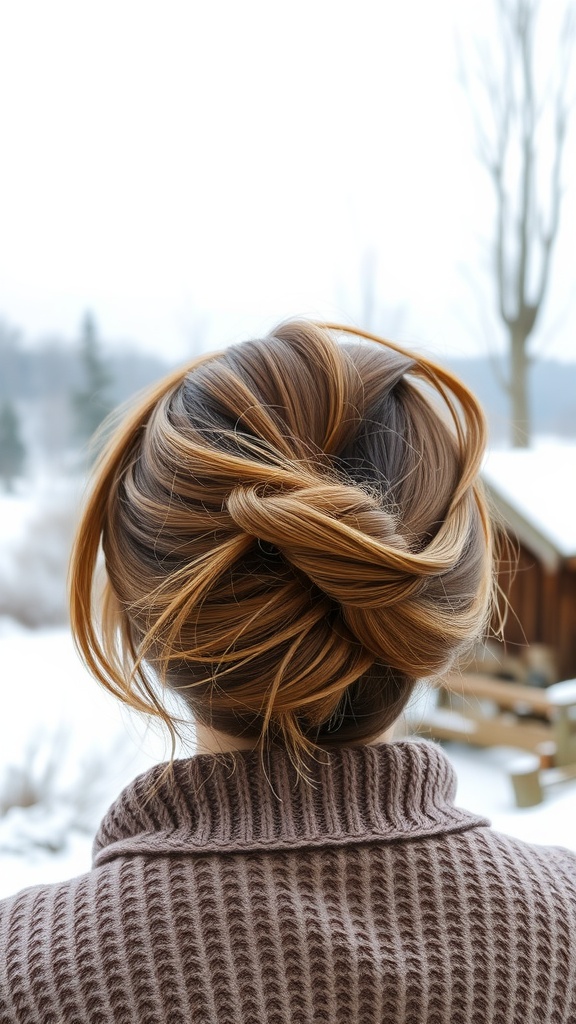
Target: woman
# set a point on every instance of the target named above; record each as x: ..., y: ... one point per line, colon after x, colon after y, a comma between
x: 294, y: 534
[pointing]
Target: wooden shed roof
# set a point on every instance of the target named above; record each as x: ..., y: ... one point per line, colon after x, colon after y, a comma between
x: 534, y: 490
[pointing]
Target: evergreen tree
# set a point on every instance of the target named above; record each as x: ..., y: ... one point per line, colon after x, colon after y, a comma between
x: 92, y: 402
x: 12, y: 450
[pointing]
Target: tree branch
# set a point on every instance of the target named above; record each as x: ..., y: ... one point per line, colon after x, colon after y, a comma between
x: 524, y: 40
x: 561, y: 110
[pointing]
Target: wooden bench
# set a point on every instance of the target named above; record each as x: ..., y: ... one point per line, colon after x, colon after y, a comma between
x: 487, y: 711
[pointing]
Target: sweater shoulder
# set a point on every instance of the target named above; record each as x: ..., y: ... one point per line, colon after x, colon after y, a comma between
x: 501, y: 844
x: 529, y: 874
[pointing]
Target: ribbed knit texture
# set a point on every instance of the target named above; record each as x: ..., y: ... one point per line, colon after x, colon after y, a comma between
x: 369, y: 898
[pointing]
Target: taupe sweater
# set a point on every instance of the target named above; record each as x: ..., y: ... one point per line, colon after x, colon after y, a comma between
x: 370, y: 898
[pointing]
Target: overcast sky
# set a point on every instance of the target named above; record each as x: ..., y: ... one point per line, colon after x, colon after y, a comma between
x: 200, y: 170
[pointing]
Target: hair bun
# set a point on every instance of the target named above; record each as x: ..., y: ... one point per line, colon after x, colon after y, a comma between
x: 334, y: 533
x: 397, y: 603
x: 325, y: 444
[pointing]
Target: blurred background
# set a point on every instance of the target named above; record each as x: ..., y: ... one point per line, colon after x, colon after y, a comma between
x: 180, y: 176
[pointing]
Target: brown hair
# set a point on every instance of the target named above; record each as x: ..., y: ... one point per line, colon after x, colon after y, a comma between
x: 293, y: 533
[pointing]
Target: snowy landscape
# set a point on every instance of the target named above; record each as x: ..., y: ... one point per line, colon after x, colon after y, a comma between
x: 67, y: 748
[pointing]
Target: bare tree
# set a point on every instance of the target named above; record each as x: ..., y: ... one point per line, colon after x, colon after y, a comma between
x: 521, y: 119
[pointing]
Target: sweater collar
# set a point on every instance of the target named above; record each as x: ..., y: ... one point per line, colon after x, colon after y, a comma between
x: 219, y: 803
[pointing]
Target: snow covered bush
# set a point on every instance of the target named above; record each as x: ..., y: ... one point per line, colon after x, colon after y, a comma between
x: 33, y: 567
x: 47, y: 795
x: 67, y: 749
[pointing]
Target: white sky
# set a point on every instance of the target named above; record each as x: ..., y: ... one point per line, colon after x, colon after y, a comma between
x: 186, y: 168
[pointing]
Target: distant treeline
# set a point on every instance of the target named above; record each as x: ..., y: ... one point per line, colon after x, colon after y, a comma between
x: 54, y: 392
x: 552, y: 395
x: 54, y: 369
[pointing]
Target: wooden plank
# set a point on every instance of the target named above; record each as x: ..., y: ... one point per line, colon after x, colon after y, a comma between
x: 490, y: 732
x: 505, y: 694
x: 566, y: 615
x: 549, y: 608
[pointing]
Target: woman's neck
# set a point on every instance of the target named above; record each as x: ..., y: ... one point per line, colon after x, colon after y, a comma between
x: 210, y: 741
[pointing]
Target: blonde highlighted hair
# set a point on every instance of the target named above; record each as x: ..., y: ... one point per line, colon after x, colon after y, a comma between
x: 294, y: 533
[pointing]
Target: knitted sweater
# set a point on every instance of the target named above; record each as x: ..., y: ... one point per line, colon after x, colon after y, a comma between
x: 369, y: 898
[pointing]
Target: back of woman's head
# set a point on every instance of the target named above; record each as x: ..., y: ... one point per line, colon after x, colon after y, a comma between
x: 293, y: 535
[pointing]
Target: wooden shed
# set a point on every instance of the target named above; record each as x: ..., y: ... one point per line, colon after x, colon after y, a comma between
x: 534, y: 493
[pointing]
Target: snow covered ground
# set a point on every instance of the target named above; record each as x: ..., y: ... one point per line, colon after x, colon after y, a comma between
x: 61, y: 733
